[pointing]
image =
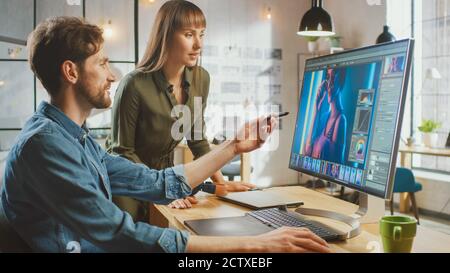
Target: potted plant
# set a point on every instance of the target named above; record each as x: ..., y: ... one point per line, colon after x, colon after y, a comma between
x: 335, y: 41
x: 429, y: 136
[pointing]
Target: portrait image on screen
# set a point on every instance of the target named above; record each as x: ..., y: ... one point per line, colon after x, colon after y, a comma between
x: 333, y: 113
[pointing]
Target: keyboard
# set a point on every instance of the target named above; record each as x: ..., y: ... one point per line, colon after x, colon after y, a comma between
x: 276, y: 218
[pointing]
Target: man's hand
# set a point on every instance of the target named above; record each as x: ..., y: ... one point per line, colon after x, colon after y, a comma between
x: 290, y: 239
x: 225, y: 187
x: 253, y: 134
x: 183, y: 203
x: 282, y: 240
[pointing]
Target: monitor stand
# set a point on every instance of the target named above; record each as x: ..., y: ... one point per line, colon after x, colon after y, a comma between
x: 315, y: 183
x: 319, y: 183
x: 370, y: 210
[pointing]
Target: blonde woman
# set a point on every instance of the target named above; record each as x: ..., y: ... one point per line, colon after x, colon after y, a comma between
x: 167, y: 76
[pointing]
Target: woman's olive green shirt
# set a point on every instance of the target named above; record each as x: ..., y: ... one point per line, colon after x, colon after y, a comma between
x: 142, y: 121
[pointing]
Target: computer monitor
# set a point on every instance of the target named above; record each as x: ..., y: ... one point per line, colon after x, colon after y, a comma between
x: 350, y: 116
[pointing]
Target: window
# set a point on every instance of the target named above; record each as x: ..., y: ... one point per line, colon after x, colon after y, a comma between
x: 428, y: 98
x: 431, y: 26
x: 20, y: 92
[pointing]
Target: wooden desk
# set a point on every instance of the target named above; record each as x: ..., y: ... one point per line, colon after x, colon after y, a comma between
x: 406, y: 153
x: 245, y: 161
x: 424, y: 151
x: 369, y: 240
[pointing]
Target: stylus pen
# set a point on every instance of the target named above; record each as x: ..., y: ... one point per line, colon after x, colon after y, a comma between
x: 282, y: 114
x: 277, y: 115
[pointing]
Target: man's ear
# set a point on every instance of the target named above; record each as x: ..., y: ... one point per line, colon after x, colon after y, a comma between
x: 69, y: 72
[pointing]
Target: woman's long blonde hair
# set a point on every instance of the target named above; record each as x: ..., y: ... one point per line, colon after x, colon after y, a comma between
x: 172, y: 16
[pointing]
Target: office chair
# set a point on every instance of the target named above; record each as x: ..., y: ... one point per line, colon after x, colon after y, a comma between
x: 405, y: 182
x: 233, y: 168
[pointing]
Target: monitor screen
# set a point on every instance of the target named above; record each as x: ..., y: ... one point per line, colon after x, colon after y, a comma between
x: 349, y: 116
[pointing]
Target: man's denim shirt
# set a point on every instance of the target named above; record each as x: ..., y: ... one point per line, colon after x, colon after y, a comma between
x: 58, y: 185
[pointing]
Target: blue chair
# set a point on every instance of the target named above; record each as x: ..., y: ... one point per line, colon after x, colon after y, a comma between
x: 233, y: 168
x: 404, y: 181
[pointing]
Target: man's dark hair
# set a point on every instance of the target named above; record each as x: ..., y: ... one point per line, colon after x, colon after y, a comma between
x: 340, y: 74
x: 57, y: 40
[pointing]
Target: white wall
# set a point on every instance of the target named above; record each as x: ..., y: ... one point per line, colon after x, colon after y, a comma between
x: 286, y: 18
x: 357, y: 21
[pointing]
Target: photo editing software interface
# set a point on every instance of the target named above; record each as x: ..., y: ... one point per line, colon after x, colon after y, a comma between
x: 348, y: 114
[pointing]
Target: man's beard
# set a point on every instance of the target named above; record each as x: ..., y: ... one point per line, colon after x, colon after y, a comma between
x: 99, y: 100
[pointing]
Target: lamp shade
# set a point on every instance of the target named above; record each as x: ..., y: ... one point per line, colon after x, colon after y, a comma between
x: 385, y: 36
x: 316, y: 22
